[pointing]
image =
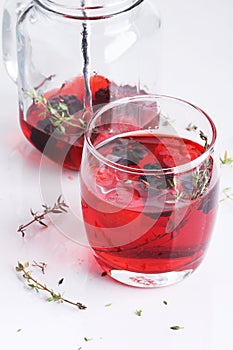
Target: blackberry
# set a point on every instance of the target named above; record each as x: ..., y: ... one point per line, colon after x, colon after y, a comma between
x: 155, y: 181
x: 102, y: 96
x: 73, y: 103
x: 46, y: 125
x: 126, y: 162
x: 155, y: 216
x: 130, y: 153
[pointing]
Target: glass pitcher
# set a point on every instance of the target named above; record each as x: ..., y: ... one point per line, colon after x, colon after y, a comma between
x: 69, y: 57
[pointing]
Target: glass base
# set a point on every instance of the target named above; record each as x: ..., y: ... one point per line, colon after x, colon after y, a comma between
x: 153, y: 280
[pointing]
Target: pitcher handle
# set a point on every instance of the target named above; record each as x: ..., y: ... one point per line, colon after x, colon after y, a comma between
x: 11, y: 12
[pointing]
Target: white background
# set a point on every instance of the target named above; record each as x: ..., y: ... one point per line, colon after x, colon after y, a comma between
x: 197, y: 58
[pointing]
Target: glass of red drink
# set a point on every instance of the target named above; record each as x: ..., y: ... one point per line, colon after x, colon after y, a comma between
x: 149, y: 188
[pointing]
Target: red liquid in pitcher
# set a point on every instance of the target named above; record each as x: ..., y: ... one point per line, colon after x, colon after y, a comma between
x: 63, y: 144
x: 149, y: 223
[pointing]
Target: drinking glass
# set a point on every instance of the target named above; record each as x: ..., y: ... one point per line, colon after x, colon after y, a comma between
x: 149, y: 188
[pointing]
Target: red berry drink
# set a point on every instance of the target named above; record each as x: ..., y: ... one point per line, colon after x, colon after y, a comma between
x: 148, y: 208
x: 55, y: 121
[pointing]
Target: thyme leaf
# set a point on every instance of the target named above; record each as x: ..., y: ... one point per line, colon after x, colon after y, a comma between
x: 226, y: 160
x: 176, y: 328
x: 87, y: 339
x: 60, y: 281
x: 109, y: 304
x: 138, y: 312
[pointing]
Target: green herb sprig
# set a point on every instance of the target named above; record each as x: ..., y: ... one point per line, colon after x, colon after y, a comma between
x: 177, y: 195
x: 59, y: 207
x: 37, y: 286
x: 228, y: 194
x: 58, y: 113
x: 205, y: 139
x: 41, y: 265
x: 226, y: 160
x: 201, y: 178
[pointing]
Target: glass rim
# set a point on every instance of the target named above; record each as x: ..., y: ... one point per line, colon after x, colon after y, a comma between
x: 141, y: 171
x: 92, y: 12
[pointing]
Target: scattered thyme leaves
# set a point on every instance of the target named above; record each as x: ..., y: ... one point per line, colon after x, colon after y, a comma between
x: 167, y: 120
x: 191, y: 127
x: 37, y: 286
x: 165, y: 302
x: 176, y: 328
x: 19, y: 330
x: 58, y: 208
x: 226, y: 160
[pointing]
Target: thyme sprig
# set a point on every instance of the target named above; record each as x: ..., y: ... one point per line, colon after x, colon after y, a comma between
x: 41, y: 265
x: 59, y: 207
x: 228, y: 194
x: 193, y: 127
x: 38, y: 286
x: 58, y: 113
x: 205, y: 139
x: 226, y: 160
x: 178, y: 194
x: 201, y: 178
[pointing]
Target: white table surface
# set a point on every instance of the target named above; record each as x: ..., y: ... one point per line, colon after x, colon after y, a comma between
x: 197, y: 66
